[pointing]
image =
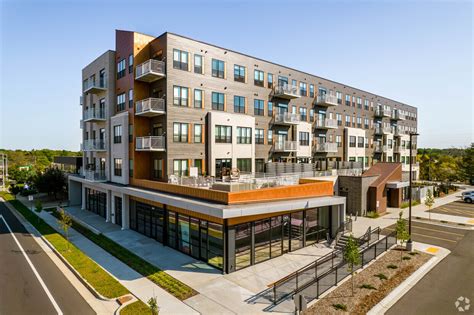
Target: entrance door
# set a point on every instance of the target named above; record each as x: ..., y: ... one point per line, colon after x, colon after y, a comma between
x: 157, y: 129
x: 220, y: 164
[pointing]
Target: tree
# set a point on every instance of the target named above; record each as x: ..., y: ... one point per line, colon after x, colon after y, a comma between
x: 153, y: 305
x: 65, y: 222
x: 466, y: 165
x: 52, y: 182
x: 402, y: 232
x: 352, y: 257
x: 38, y: 208
x: 429, y: 201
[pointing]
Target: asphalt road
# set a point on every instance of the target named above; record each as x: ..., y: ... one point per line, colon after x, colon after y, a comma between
x: 23, y: 288
x: 452, y: 278
x: 458, y: 208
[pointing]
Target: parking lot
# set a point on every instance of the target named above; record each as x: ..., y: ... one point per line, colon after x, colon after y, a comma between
x: 458, y: 208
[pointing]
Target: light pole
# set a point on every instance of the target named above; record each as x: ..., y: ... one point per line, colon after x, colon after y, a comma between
x: 410, y: 242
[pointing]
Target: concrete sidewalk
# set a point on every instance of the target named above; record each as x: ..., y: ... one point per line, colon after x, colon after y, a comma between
x: 138, y: 285
x: 361, y: 224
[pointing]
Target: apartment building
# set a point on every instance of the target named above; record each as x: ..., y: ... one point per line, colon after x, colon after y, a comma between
x: 159, y: 109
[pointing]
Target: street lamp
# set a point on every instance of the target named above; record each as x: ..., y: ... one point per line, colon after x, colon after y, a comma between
x: 410, y: 242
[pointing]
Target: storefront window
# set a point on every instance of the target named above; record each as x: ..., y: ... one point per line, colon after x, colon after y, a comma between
x: 194, y: 229
x: 276, y: 236
x: 312, y: 229
x: 262, y: 240
x: 215, y: 245
x: 243, y: 240
x: 172, y: 229
x: 183, y: 234
x: 296, y: 230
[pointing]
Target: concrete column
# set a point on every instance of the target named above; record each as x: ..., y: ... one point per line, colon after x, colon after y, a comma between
x: 83, y: 203
x: 125, y: 212
x: 108, y: 206
x: 112, y: 207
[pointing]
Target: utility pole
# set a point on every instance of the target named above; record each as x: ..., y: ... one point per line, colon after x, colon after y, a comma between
x: 410, y: 242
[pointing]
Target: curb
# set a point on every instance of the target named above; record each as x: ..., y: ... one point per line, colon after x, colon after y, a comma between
x: 406, y: 285
x: 122, y: 306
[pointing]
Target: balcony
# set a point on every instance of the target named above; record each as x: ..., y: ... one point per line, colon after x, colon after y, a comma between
x: 414, y: 167
x: 326, y: 100
x: 95, y: 176
x: 150, y: 107
x: 285, y: 146
x: 399, y: 132
x: 94, y: 145
x: 92, y: 86
x: 396, y: 115
x: 93, y: 114
x: 150, y: 71
x: 379, y: 148
x: 325, y: 147
x: 81, y: 100
x: 379, y: 112
x: 286, y: 91
x: 150, y: 143
x: 326, y: 124
x: 379, y: 130
x: 287, y: 119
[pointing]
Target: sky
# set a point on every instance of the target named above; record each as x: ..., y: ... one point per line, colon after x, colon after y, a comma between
x: 416, y: 52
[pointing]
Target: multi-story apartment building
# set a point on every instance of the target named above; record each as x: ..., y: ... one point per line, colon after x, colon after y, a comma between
x: 169, y: 105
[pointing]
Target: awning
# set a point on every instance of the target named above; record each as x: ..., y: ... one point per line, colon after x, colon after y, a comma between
x: 397, y: 184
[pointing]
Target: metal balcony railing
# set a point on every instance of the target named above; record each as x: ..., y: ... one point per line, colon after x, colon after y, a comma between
x: 285, y: 146
x: 150, y: 143
x: 150, y: 107
x: 94, y: 114
x: 149, y: 71
x: 95, y: 176
x: 327, y: 99
x: 380, y: 112
x: 326, y: 123
x: 94, y: 145
x: 399, y: 132
x: 95, y: 85
x: 396, y: 115
x: 326, y: 147
x: 286, y: 91
x: 287, y: 118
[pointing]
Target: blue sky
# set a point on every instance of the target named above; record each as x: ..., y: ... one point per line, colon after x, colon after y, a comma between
x: 417, y: 52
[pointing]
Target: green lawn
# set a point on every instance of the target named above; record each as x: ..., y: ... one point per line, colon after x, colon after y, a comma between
x: 87, y: 268
x: 136, y: 308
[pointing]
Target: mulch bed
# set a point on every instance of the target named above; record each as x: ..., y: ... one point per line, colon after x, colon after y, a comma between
x: 376, y: 289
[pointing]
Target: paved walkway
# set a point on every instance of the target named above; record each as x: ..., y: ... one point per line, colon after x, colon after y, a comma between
x: 138, y: 285
x: 359, y: 227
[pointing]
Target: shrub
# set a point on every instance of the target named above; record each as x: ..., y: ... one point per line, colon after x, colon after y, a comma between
x: 413, y: 253
x: 341, y: 307
x: 392, y: 266
x: 381, y: 276
x: 368, y: 286
x: 372, y: 214
x: 405, y: 204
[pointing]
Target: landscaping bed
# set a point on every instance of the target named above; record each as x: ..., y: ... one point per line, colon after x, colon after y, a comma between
x: 136, y: 308
x: 371, y: 285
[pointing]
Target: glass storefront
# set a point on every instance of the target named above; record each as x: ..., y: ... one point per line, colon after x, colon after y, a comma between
x: 147, y: 219
x: 118, y: 210
x: 96, y: 202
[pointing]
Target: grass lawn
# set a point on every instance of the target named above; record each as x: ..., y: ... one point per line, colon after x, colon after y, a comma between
x: 136, y: 308
x: 87, y: 268
x: 153, y: 273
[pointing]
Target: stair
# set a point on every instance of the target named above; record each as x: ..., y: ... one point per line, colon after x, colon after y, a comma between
x: 342, y: 242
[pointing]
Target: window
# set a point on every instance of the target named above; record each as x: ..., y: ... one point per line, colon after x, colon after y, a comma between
x: 130, y: 98
x: 359, y: 122
x: 157, y: 168
x: 270, y: 109
x: 293, y: 83
x: 339, y: 98
x: 180, y: 96
x: 352, y: 141
x: 198, y: 64
x: 303, y: 89
x: 259, y: 165
x: 304, y: 138
x: 244, y: 165
x: 130, y: 168
x: 311, y: 115
x: 258, y: 78
x: 303, y: 113
x: 198, y: 165
x: 366, y: 142
x: 180, y: 59
x: 366, y: 123
x: 121, y: 69
x: 130, y: 65
x: 197, y: 98
x: 218, y: 101
x: 130, y: 133
x: 348, y: 121
x: 270, y: 136
x: 197, y: 133
x: 118, y: 134
x: 218, y: 67
x: 180, y: 132
x: 120, y: 102
x: 366, y: 104
x: 311, y: 90
x: 223, y: 134
x: 258, y: 107
x: 359, y: 102
x: 239, y: 104
x: 118, y: 167
x: 339, y: 141
x: 348, y: 100
x: 239, y: 73
x: 244, y: 135
x: 339, y: 119
x: 360, y: 142
x: 259, y: 137
x: 180, y: 167
x: 270, y: 80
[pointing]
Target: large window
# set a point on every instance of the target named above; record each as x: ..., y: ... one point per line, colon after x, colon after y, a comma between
x: 148, y: 220
x: 218, y: 100
x: 215, y: 246
x: 352, y: 141
x: 360, y: 142
x: 197, y: 133
x: 304, y: 138
x: 303, y: 89
x: 130, y: 98
x: 130, y: 63
x: 259, y: 165
x: 218, y: 68
x: 303, y: 114
x: 339, y: 98
x: 239, y: 104
x: 198, y: 64
x: 180, y: 59
x: 180, y: 96
x: 262, y: 240
x: 243, y: 245
x: 348, y: 100
x: 311, y: 90
x: 121, y: 65
x: 259, y: 136
x: 244, y: 135
x: 258, y: 107
x: 270, y: 80
x: 118, y: 134
x: 180, y: 132
x: 270, y: 109
x: 118, y: 167
x: 244, y: 165
x: 223, y: 134
x: 197, y: 98
x: 180, y: 167
x: 258, y: 79
x: 120, y: 102
x: 96, y: 202
x: 239, y: 73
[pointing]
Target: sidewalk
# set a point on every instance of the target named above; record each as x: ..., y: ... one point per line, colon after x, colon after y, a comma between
x: 138, y: 285
x: 360, y: 226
